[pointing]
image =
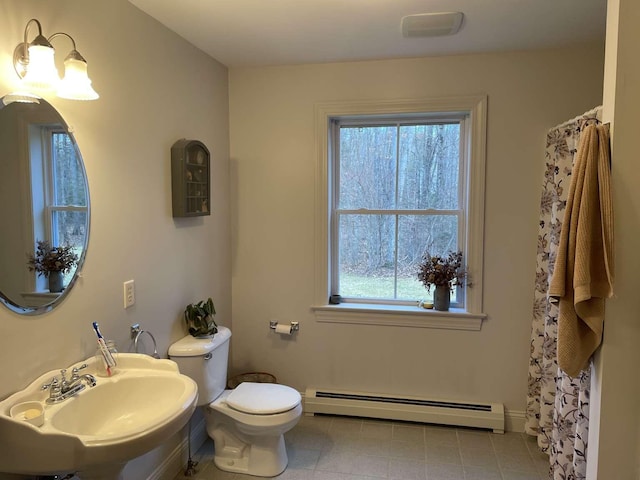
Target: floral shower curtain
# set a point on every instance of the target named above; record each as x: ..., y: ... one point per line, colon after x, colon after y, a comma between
x: 557, y: 405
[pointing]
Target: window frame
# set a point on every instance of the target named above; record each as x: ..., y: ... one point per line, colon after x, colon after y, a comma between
x: 470, y: 316
x: 397, y: 121
x: 42, y: 187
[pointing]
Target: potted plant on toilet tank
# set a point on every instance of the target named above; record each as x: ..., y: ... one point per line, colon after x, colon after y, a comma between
x: 199, y: 318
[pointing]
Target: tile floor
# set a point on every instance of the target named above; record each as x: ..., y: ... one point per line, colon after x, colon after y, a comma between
x: 342, y: 448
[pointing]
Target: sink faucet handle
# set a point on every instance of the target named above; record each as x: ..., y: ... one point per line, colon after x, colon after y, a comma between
x: 55, y: 390
x: 54, y: 387
x: 50, y: 384
x: 54, y: 382
x: 74, y: 372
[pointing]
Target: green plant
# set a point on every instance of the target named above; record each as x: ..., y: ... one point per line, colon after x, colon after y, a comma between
x: 49, y: 259
x: 437, y: 270
x: 199, y: 318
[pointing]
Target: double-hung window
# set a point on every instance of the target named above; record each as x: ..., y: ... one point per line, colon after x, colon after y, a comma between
x: 66, y: 203
x: 397, y: 193
x: 58, y: 190
x: 398, y: 181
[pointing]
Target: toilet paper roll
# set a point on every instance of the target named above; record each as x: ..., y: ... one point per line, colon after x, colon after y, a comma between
x: 283, y: 329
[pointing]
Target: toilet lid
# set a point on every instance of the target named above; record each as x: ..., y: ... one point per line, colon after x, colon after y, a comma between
x: 263, y: 398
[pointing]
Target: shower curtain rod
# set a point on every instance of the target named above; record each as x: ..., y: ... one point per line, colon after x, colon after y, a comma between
x: 591, y: 114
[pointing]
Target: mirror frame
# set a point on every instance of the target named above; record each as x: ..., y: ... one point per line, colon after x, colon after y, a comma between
x: 41, y: 309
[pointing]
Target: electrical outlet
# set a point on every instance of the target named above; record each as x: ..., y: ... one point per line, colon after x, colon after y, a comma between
x: 129, y: 293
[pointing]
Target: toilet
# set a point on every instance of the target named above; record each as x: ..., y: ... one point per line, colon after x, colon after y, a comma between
x: 247, y: 424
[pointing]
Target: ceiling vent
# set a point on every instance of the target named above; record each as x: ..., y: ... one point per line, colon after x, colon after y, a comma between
x: 431, y: 24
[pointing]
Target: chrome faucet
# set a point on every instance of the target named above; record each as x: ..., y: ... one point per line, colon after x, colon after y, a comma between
x: 60, y: 390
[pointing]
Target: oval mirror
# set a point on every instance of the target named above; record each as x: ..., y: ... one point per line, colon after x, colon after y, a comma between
x: 44, y: 206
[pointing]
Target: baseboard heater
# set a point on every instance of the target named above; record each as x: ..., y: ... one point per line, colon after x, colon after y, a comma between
x: 406, y: 408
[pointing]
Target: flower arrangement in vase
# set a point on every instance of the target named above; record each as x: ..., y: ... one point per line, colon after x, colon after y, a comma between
x: 52, y: 263
x: 443, y: 272
x: 199, y: 318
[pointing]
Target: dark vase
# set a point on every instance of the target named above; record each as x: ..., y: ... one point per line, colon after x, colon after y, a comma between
x: 55, y: 282
x: 442, y: 298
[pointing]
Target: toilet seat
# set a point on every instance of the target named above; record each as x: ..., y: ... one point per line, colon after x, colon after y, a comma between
x: 263, y: 398
x: 254, y: 424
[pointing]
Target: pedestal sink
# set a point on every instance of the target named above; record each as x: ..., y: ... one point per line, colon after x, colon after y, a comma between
x: 97, y: 431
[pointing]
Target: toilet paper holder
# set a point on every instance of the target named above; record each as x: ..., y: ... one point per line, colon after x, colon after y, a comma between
x: 295, y: 326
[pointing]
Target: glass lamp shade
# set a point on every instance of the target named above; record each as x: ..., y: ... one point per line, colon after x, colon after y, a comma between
x: 76, y: 84
x: 19, y: 97
x: 41, y: 70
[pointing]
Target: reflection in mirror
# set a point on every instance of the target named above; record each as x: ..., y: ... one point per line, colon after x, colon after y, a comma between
x: 44, y: 197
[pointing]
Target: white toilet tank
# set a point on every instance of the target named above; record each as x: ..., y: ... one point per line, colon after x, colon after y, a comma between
x: 205, y: 360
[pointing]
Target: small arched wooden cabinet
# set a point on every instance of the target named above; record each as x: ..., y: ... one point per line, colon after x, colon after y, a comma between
x: 190, y: 179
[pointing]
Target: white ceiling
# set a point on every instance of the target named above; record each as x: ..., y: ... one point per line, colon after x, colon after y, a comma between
x: 277, y: 32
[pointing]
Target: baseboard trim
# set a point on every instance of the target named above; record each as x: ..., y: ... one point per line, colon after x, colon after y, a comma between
x: 177, y: 460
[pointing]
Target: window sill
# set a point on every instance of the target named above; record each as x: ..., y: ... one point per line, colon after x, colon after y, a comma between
x: 398, y: 316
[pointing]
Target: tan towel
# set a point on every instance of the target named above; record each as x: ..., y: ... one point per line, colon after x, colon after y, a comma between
x: 583, y: 274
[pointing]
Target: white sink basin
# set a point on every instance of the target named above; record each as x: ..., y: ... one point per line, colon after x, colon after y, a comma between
x: 101, y: 428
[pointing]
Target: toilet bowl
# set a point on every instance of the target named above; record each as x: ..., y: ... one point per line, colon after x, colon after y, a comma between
x: 247, y: 424
x: 249, y: 441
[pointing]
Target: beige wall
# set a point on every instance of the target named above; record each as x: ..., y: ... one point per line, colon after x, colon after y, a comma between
x: 273, y: 162
x: 155, y: 89
x: 614, y: 436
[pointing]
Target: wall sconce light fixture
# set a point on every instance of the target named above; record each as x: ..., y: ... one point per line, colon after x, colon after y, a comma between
x: 34, y: 63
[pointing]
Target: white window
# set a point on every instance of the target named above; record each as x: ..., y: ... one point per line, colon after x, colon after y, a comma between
x: 58, y: 191
x: 397, y: 180
x: 67, y: 193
